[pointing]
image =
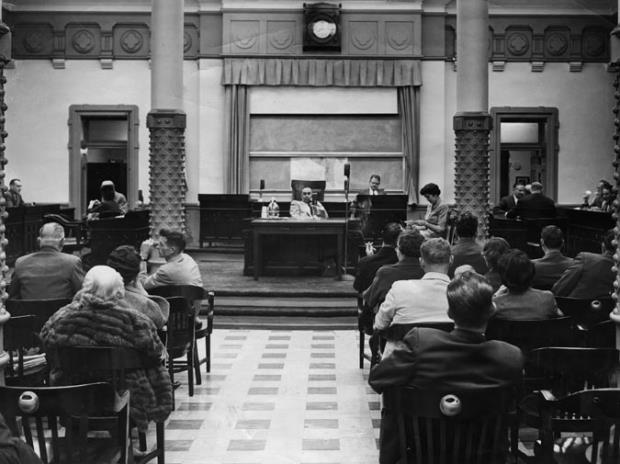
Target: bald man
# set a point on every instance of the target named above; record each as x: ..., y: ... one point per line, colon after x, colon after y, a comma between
x: 47, y: 273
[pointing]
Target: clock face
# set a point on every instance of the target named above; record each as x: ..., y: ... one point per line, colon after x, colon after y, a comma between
x: 323, y: 29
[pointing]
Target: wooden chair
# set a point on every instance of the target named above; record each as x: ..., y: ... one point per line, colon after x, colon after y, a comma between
x: 451, y: 426
x: 42, y: 310
x: 44, y: 408
x: 76, y: 237
x: 195, y: 295
x: 601, y: 335
x: 19, y: 336
x: 110, y: 364
x: 585, y: 311
x: 529, y: 335
x: 397, y: 332
x: 595, y: 413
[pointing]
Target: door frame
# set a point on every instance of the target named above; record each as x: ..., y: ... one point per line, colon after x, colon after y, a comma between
x: 549, y: 116
x: 76, y: 114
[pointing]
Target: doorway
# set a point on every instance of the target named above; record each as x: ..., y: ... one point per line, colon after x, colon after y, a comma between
x: 103, y: 146
x: 524, y: 144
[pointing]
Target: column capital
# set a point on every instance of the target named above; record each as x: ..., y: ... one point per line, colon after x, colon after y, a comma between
x: 169, y: 119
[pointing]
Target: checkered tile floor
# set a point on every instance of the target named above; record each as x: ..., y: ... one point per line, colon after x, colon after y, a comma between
x: 277, y: 397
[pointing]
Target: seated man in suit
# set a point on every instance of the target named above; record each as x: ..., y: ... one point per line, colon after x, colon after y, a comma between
x: 591, y: 275
x: 466, y: 250
x: 48, y: 273
x: 179, y: 269
x: 13, y: 195
x: 550, y: 267
x: 431, y: 358
x: 534, y: 206
x: 368, y: 265
x: 419, y: 300
x: 510, y: 201
x: 373, y: 186
x: 308, y: 207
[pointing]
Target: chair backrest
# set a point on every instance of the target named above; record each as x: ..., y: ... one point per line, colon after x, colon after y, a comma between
x: 317, y: 186
x: 529, y: 335
x: 601, y: 335
x: 451, y: 426
x: 586, y: 311
x: 397, y: 332
x: 192, y: 293
x: 41, y: 309
x: 570, y: 369
x: 180, y: 330
x: 19, y: 335
x: 43, y: 409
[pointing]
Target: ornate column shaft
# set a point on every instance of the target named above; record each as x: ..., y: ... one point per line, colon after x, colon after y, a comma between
x: 472, y: 122
x: 167, y: 121
x: 5, y: 57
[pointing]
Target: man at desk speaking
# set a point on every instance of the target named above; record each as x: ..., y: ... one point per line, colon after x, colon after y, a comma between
x: 307, y: 207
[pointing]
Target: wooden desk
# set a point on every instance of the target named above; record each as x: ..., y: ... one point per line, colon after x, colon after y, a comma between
x: 295, y: 228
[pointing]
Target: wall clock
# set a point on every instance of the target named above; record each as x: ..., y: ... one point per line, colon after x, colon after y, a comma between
x: 321, y: 27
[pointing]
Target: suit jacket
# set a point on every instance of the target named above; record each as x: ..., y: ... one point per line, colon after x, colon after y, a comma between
x: 550, y: 268
x: 408, y: 268
x: 590, y: 276
x: 368, y: 266
x: 430, y: 358
x: 505, y: 204
x: 182, y: 270
x: 530, y: 305
x: 467, y: 251
x: 533, y: 206
x: 47, y: 273
x: 302, y: 210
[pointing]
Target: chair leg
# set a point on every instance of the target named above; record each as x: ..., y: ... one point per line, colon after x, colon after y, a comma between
x: 190, y: 371
x: 171, y: 373
x: 197, y: 365
x: 208, y: 352
x: 161, y: 448
x: 361, y: 349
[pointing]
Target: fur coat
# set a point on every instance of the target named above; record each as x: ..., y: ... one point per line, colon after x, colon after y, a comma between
x: 89, y: 320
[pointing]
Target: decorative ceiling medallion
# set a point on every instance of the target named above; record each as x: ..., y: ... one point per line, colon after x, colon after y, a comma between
x: 281, y: 39
x: 399, y: 40
x: 187, y: 42
x: 131, y: 41
x: 518, y: 43
x: 557, y: 44
x: 83, y: 41
x: 33, y: 42
x: 363, y: 40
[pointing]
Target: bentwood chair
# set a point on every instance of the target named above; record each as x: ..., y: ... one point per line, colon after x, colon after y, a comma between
x: 451, y: 426
x: 110, y: 364
x: 23, y: 369
x: 42, y: 410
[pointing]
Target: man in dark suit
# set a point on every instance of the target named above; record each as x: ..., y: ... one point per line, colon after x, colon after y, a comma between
x: 510, y: 201
x: 552, y: 265
x: 533, y: 206
x: 591, y: 275
x: 47, y: 273
x: 463, y: 358
x: 407, y: 267
x: 368, y: 265
x: 466, y: 250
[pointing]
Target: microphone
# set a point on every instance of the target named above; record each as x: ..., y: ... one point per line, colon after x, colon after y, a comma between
x: 347, y: 170
x: 261, y: 188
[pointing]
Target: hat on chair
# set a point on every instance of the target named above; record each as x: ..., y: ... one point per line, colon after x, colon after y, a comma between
x: 126, y: 260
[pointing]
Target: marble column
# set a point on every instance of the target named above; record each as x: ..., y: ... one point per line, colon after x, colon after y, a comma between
x: 167, y: 121
x: 5, y: 57
x: 472, y: 123
x: 615, y: 67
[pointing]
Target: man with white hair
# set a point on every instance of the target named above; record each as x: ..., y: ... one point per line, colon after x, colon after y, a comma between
x: 48, y: 273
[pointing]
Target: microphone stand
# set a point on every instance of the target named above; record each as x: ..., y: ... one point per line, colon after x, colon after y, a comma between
x: 346, y: 276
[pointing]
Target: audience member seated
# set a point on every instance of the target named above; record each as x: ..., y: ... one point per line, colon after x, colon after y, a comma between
x: 591, y: 274
x: 13, y: 195
x: 597, y: 201
x: 431, y: 358
x: 466, y: 250
x: 179, y: 269
x: 126, y: 261
x: 550, y: 267
x: 47, y: 273
x: 368, y: 265
x: 13, y: 450
x: 492, y: 251
x: 516, y: 300
x: 98, y: 316
x: 436, y: 218
x: 510, y: 201
x: 419, y: 300
x: 407, y: 267
x: 607, y: 199
x: 534, y: 206
x: 307, y: 207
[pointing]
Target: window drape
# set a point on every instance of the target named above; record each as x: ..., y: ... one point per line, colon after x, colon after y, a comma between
x: 239, y: 73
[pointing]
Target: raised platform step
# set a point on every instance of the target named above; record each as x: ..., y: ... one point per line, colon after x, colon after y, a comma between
x: 285, y: 323
x: 280, y: 306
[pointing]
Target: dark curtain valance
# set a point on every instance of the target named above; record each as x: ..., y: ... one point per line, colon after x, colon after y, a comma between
x: 322, y: 72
